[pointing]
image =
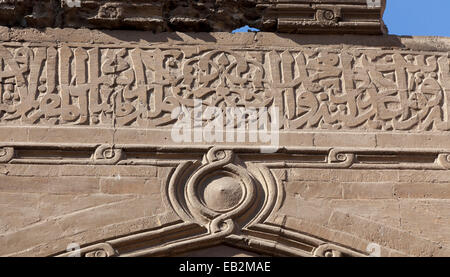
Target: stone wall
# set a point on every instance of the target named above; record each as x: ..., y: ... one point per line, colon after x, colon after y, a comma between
x: 87, y: 155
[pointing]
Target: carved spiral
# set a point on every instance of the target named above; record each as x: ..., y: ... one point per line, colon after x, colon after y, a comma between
x: 341, y: 157
x: 444, y: 160
x: 326, y: 15
x: 6, y: 154
x: 337, y: 156
x: 329, y: 15
x: 107, y: 154
x: 222, y: 226
x: 220, y: 155
x: 217, y: 154
x: 329, y: 250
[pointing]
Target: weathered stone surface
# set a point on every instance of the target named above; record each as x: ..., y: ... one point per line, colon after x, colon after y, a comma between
x: 292, y: 16
x: 130, y: 185
x: 86, y: 153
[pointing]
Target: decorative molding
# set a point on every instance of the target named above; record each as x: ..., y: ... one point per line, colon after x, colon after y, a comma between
x: 221, y: 200
x: 222, y: 192
x: 292, y: 157
x: 297, y: 16
x: 229, y: 197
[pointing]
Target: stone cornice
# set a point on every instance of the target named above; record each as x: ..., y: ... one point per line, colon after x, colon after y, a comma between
x: 293, y: 16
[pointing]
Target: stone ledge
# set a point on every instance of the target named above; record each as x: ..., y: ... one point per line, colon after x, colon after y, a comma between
x: 258, y: 40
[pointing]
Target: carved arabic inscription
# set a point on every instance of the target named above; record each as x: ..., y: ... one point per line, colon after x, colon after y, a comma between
x: 314, y: 88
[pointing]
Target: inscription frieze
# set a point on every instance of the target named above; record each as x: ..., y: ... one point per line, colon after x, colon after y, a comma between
x: 314, y: 88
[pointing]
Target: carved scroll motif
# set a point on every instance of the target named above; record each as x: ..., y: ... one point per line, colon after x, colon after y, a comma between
x: 6, y: 154
x: 314, y: 89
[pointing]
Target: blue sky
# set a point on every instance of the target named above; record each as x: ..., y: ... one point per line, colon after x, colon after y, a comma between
x: 418, y: 17
x: 415, y: 17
